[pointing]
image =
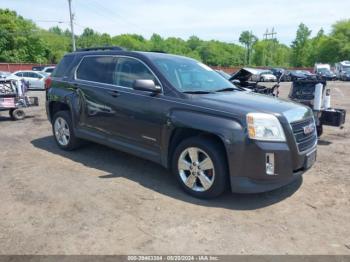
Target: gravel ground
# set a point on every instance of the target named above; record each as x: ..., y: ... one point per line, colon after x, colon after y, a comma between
x: 100, y: 201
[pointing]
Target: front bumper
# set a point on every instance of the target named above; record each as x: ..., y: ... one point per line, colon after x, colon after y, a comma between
x: 248, y: 170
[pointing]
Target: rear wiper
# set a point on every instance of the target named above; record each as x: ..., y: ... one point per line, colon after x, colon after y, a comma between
x: 197, y: 92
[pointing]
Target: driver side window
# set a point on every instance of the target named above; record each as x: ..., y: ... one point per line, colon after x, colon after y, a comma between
x: 128, y: 70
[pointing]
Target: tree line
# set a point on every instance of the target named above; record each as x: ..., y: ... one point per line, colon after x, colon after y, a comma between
x: 21, y: 40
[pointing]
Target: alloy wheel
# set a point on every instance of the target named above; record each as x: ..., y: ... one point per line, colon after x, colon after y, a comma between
x: 62, y: 132
x: 196, y: 169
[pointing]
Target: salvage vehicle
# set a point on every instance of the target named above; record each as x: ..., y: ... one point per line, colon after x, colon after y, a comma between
x: 244, y: 79
x: 315, y: 94
x: 309, y: 90
x: 14, y: 99
x: 180, y: 113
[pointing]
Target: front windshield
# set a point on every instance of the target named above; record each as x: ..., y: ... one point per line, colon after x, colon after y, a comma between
x: 224, y: 74
x: 323, y: 70
x: 346, y: 69
x: 189, y: 75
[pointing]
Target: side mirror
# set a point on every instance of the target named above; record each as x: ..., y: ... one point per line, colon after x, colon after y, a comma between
x: 146, y: 85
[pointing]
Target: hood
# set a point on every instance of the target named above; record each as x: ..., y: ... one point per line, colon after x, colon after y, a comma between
x: 240, y: 103
x: 244, y: 74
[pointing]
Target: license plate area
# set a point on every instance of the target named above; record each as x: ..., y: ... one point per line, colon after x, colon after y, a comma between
x: 310, y: 159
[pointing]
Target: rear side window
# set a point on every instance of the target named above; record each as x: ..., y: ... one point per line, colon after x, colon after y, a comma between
x: 62, y: 67
x: 97, y: 69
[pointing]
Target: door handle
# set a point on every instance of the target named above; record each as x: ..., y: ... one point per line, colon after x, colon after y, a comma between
x: 114, y: 93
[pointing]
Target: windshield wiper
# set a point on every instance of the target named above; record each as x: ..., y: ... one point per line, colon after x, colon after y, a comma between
x: 228, y: 89
x: 197, y: 92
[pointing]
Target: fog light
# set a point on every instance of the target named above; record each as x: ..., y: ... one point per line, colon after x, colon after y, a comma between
x: 270, y: 164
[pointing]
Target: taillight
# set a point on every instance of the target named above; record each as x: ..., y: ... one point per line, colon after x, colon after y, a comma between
x: 48, y: 82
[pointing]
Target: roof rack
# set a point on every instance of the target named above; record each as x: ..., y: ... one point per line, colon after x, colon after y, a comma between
x: 158, y: 51
x: 100, y: 48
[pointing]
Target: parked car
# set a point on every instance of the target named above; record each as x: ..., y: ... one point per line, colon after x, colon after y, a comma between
x: 280, y: 74
x: 35, y: 79
x: 4, y: 74
x: 37, y: 68
x: 344, y: 75
x: 181, y: 114
x: 299, y: 74
x: 326, y: 74
x: 267, y: 76
x: 48, y: 69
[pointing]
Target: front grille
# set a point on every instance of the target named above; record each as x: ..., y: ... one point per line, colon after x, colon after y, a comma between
x: 304, y: 141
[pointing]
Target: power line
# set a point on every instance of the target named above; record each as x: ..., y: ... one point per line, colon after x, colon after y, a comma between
x: 51, y: 21
x: 102, y: 11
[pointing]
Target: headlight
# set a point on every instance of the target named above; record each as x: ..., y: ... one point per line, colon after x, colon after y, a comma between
x: 264, y: 127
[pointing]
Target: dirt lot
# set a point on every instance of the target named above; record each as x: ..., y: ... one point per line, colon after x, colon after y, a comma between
x: 100, y: 201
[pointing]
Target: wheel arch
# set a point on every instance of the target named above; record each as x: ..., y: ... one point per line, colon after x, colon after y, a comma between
x: 56, y: 106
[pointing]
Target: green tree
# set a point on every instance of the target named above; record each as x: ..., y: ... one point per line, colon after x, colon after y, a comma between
x: 248, y: 40
x: 341, y: 34
x: 19, y: 39
x: 301, y: 47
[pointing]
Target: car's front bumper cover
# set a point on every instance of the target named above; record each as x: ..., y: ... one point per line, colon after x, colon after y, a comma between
x: 248, y: 170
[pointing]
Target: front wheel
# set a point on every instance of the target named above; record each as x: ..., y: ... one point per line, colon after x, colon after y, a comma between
x: 200, y: 167
x: 17, y: 114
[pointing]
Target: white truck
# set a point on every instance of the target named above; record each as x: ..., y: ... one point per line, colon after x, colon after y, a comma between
x: 342, y: 70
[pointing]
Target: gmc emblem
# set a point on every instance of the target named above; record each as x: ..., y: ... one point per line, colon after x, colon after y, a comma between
x: 309, y: 129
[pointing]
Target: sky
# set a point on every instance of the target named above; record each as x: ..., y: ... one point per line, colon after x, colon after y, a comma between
x: 222, y: 20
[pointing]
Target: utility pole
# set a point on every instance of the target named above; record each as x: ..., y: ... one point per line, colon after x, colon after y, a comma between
x: 71, y: 17
x: 271, y: 37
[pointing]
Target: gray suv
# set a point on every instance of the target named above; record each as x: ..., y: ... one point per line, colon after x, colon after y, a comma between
x: 181, y: 114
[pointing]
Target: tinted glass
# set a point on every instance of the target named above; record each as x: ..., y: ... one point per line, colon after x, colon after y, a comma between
x: 49, y: 70
x: 97, y: 69
x: 62, y: 68
x: 129, y: 70
x: 34, y: 75
x: 19, y: 74
x: 189, y: 75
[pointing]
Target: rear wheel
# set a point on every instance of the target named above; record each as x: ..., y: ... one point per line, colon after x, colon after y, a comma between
x: 200, y: 167
x: 63, y: 131
x: 17, y: 114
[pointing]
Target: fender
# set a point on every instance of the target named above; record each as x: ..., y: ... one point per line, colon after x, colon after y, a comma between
x: 230, y: 130
x: 70, y: 99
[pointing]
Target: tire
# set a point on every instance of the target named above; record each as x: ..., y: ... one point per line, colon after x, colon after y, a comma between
x: 17, y: 114
x: 262, y: 79
x: 63, y: 131
x: 319, y: 130
x: 215, y: 176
